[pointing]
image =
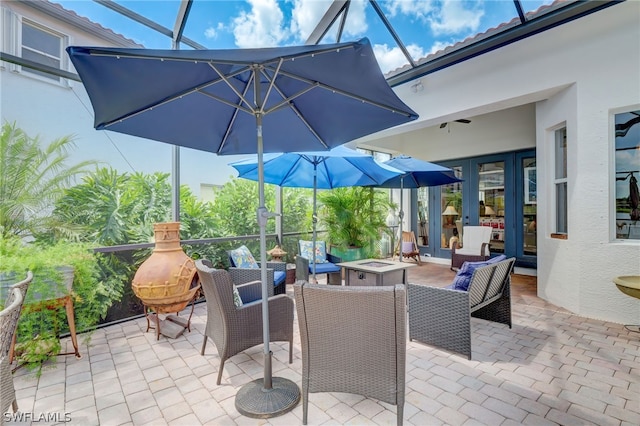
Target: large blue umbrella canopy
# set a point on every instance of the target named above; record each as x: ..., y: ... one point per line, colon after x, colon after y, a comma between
x: 336, y: 168
x: 416, y: 174
x: 242, y: 101
x: 308, y: 97
x: 339, y: 167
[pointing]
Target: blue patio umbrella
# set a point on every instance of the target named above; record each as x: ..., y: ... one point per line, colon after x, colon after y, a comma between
x: 337, y: 168
x: 417, y: 174
x: 242, y: 101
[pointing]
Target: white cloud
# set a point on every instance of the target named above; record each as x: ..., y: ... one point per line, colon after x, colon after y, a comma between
x: 262, y: 26
x: 391, y: 58
x: 212, y: 33
x: 417, y: 8
x: 306, y: 15
x: 454, y: 18
x: 444, y: 17
x: 356, y: 24
x: 439, y: 45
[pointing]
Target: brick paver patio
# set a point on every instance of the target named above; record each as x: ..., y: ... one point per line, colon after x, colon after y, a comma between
x: 552, y: 367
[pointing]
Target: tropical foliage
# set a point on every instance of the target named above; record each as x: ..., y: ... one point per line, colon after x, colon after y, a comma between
x: 354, y: 217
x: 234, y: 211
x: 39, y: 326
x: 33, y: 177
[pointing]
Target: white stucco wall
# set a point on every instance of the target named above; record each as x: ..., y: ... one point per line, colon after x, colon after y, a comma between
x: 577, y: 73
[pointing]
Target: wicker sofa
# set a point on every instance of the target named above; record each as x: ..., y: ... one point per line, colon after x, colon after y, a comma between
x: 442, y: 316
x: 353, y: 340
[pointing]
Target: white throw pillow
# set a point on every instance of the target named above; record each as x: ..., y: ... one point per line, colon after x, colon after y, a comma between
x: 236, y: 297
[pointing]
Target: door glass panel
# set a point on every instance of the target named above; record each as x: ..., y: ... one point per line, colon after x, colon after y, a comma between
x: 451, y: 210
x: 491, y: 196
x: 530, y: 207
x: 423, y: 216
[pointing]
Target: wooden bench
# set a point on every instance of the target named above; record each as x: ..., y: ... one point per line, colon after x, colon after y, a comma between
x: 442, y: 317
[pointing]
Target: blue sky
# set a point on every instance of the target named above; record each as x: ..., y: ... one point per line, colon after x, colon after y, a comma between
x: 425, y: 26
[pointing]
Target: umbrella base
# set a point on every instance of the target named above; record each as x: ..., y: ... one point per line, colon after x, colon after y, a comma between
x: 254, y: 401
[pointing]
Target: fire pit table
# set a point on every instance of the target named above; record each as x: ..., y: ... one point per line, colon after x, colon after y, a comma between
x: 375, y: 272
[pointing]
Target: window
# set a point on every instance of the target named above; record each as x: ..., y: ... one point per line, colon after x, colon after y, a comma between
x: 627, y: 164
x: 560, y: 180
x: 42, y: 46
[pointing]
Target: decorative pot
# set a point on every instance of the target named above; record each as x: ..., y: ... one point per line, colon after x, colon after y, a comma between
x: 167, y: 280
x: 348, y: 254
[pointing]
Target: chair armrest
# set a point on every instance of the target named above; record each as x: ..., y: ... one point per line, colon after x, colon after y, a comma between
x: 455, y: 246
x: 333, y: 259
x: 250, y: 291
x: 245, y: 275
x: 485, y: 250
x: 302, y: 268
x: 436, y: 305
x: 280, y: 310
x: 277, y: 266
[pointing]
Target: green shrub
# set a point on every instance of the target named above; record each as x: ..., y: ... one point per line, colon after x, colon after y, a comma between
x: 91, y: 297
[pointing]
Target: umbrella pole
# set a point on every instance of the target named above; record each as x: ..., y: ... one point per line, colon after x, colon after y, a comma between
x: 270, y: 396
x: 262, y: 223
x: 401, y: 216
x: 314, y: 220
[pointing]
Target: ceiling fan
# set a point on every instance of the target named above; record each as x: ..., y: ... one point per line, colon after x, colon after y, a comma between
x: 462, y: 120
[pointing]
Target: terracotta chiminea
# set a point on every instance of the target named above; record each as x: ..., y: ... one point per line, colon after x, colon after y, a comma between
x: 166, y: 282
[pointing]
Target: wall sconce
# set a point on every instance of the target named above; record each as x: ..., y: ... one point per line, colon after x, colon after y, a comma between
x: 417, y: 87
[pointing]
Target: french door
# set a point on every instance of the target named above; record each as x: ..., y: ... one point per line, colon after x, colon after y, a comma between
x: 497, y: 191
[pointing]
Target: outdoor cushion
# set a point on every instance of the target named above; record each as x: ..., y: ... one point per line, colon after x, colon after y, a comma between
x: 326, y: 268
x: 242, y: 258
x: 279, y: 277
x: 463, y: 277
x: 237, y: 300
x: 407, y: 246
x: 306, y: 251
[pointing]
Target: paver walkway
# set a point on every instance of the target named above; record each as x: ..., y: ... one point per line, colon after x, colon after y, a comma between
x: 552, y: 367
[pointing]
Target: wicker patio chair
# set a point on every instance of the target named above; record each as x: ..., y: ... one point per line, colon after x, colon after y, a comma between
x: 353, y: 340
x: 234, y: 329
x: 22, y: 287
x: 442, y: 316
x: 304, y: 267
x: 276, y: 274
x: 8, y: 322
x: 475, y: 246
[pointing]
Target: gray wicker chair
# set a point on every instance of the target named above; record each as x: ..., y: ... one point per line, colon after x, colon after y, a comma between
x: 441, y: 317
x: 235, y: 329
x: 246, y: 275
x: 353, y: 340
x: 8, y: 323
x: 304, y: 268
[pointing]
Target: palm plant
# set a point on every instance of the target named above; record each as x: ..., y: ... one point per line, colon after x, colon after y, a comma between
x: 353, y: 216
x: 33, y: 177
